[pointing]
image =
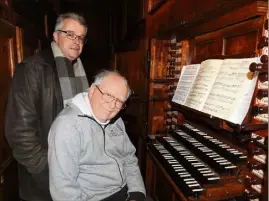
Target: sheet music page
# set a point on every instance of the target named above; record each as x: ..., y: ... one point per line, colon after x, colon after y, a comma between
x: 203, y: 83
x: 232, y: 91
x: 239, y: 113
x: 187, y: 77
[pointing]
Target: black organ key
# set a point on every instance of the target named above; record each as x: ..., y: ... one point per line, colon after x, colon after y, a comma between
x: 182, y: 177
x: 212, y: 158
x: 222, y: 148
x: 194, y: 165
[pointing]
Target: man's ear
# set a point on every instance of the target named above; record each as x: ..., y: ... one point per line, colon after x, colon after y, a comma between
x: 55, y: 37
x: 91, y: 90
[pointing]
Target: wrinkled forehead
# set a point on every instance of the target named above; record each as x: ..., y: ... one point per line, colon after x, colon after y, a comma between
x: 116, y: 86
x: 73, y: 25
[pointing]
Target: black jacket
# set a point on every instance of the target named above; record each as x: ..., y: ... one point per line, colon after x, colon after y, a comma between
x: 33, y: 103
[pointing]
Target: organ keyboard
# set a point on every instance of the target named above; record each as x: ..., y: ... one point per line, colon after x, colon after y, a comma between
x: 199, y: 171
x: 181, y: 176
x: 224, y: 149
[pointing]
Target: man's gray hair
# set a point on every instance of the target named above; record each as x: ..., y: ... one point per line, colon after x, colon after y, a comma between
x: 104, y: 73
x: 74, y: 16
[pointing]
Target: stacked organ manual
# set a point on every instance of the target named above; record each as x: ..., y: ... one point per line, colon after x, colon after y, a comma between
x: 221, y: 88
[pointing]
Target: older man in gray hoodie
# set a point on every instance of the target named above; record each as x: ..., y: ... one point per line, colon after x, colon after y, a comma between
x: 90, y: 155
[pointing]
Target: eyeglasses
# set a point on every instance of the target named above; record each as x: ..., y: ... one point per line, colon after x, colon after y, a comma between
x: 109, y: 98
x: 72, y: 36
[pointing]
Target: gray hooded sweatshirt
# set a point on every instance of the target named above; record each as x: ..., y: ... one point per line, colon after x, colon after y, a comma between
x: 88, y: 161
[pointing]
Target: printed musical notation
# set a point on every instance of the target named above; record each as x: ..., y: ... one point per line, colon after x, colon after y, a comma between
x: 232, y: 91
x: 185, y: 83
x: 203, y: 83
x: 220, y: 88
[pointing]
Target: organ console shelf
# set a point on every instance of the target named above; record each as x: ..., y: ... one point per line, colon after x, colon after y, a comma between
x: 243, y: 128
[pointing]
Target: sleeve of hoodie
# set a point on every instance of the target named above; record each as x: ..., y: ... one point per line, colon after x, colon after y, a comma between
x: 63, y: 159
x: 135, y: 183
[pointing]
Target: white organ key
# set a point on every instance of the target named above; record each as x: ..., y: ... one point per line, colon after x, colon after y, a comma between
x: 180, y: 170
x: 209, y: 174
x: 190, y: 179
x: 230, y: 167
x: 218, y: 158
x: 221, y: 161
x: 208, y: 171
x: 185, y: 175
x: 193, y: 185
x: 226, y: 163
x: 176, y: 165
x: 197, y: 190
x: 209, y: 154
x: 191, y: 182
x: 203, y: 169
x: 192, y: 160
x: 214, y: 156
x: 171, y: 162
x: 213, y: 178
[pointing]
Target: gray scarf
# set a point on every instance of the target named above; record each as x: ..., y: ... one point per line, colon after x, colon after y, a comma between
x: 72, y: 78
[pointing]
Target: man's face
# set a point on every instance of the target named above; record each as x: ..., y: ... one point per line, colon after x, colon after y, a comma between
x: 114, y: 86
x: 70, y: 48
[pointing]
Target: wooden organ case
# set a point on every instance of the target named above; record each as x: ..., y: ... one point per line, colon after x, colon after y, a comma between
x: 195, y: 156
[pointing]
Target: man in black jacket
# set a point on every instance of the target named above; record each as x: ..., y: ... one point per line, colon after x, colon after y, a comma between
x: 41, y: 86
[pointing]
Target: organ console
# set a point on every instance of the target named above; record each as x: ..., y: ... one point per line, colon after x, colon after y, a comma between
x: 199, y: 156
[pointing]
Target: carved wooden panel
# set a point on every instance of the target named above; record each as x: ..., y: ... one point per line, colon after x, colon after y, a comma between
x: 158, y: 58
x: 159, y: 21
x: 239, y: 40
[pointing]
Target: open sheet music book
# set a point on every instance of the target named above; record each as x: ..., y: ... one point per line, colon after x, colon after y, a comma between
x: 217, y: 87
